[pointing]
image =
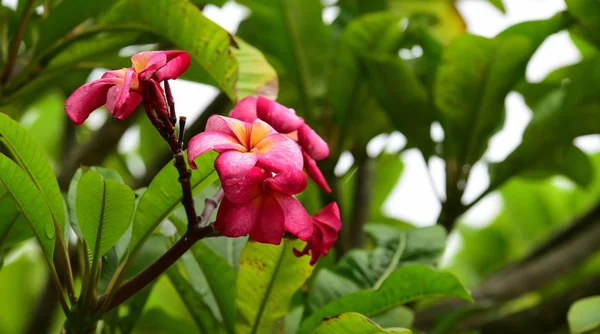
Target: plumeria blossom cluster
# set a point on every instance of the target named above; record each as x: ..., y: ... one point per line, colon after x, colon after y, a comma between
x: 263, y: 148
x: 121, y: 91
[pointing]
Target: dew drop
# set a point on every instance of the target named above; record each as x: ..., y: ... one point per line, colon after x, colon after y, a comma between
x: 49, y: 230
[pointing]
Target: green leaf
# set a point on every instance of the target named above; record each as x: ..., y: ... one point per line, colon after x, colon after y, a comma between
x: 200, y: 312
x: 256, y: 76
x: 406, y: 284
x: 377, y: 33
x: 352, y: 322
x: 31, y: 204
x: 441, y: 16
x: 66, y: 16
x: 327, y: 286
x: 293, y: 33
x: 229, y: 249
x: 558, y: 118
x: 213, y: 270
x: 498, y: 4
x: 30, y: 156
x: 182, y: 23
x: 269, y: 275
x: 45, y: 120
x: 104, y: 211
x: 583, y: 315
x: 403, y: 97
x: 392, y: 248
x: 587, y: 14
x: 474, y: 78
x: 164, y: 195
x: 221, y: 279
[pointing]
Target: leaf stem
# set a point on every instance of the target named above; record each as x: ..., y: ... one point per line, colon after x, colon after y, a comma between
x: 16, y: 42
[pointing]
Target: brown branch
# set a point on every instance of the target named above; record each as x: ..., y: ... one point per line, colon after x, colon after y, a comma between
x: 362, y: 199
x: 530, y: 275
x: 141, y: 280
x: 16, y: 42
x: 543, y: 318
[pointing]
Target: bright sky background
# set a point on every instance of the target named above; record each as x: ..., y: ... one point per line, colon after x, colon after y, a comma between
x: 414, y: 198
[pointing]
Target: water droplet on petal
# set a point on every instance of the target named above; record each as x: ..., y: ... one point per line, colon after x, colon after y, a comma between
x: 49, y: 230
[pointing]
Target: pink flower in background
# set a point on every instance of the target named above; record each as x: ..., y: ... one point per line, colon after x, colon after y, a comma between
x: 263, y: 206
x: 244, y: 145
x: 284, y: 120
x: 121, y: 90
x: 326, y: 225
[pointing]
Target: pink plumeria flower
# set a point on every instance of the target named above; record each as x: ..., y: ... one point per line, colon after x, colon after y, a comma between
x: 263, y: 207
x: 326, y: 225
x: 286, y: 121
x: 244, y: 145
x: 121, y: 91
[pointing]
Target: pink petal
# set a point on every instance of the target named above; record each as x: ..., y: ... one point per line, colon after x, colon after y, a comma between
x: 233, y: 167
x: 177, y: 63
x: 231, y: 126
x: 279, y: 153
x: 328, y: 221
x: 236, y: 220
x: 88, y: 98
x: 270, y: 227
x: 116, y: 74
x: 312, y: 143
x: 129, y: 106
x: 245, y: 110
x: 210, y: 140
x: 314, y: 172
x: 247, y: 188
x: 288, y: 182
x: 120, y: 101
x: 279, y: 117
x: 297, y: 220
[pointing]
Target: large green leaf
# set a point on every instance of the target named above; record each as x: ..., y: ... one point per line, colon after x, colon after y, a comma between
x: 13, y: 225
x: 352, y: 322
x: 31, y: 204
x: 292, y: 33
x: 474, y: 78
x: 406, y: 284
x: 214, y: 273
x: 104, y: 211
x: 257, y: 76
x: 558, y: 118
x: 30, y: 156
x: 583, y: 315
x: 269, y: 275
x: 182, y: 23
x: 221, y: 279
x: 164, y: 195
x: 198, y: 309
x: 66, y: 16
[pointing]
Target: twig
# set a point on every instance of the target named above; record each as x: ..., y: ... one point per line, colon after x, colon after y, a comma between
x: 138, y: 282
x: 16, y: 42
